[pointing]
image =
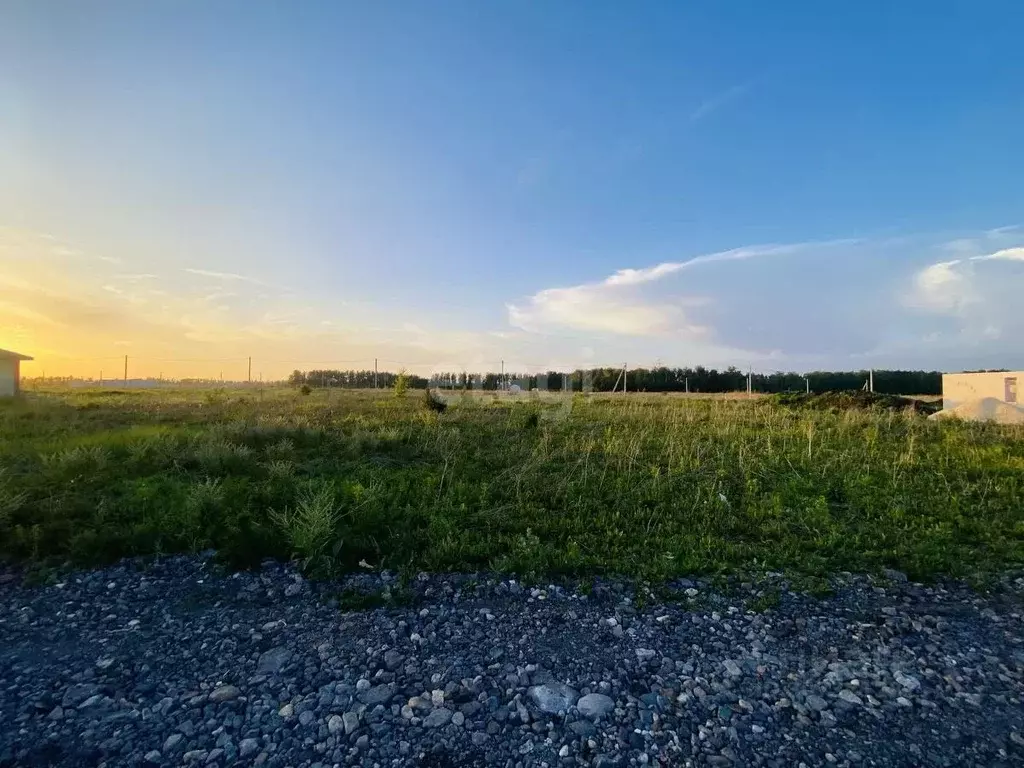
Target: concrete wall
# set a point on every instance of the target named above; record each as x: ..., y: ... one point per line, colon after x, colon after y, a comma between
x: 958, y: 388
x: 9, y: 377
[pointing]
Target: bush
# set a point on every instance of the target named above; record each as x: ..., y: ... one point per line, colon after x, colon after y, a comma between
x: 305, y: 389
x: 401, y: 383
x: 311, y: 527
x: 433, y: 402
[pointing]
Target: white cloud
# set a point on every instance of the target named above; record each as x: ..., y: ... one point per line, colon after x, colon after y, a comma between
x: 618, y: 305
x: 1006, y: 254
x: 598, y: 308
x: 943, y: 287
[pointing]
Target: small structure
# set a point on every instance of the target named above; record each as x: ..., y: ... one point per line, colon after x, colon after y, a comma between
x: 983, y: 396
x: 1005, y: 386
x: 10, y: 372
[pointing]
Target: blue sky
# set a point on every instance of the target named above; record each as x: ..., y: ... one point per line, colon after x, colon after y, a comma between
x: 450, y: 184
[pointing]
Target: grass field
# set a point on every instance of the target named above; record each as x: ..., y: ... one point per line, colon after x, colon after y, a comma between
x: 643, y: 485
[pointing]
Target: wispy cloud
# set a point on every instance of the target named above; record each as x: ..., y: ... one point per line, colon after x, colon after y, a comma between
x: 227, y: 276
x: 618, y: 305
x: 1006, y: 254
x: 657, y: 272
x: 716, y: 102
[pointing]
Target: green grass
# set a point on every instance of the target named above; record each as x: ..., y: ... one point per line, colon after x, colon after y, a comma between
x: 644, y: 486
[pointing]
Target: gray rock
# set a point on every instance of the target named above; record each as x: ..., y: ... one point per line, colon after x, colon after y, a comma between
x: 816, y: 703
x: 393, y: 659
x: 274, y: 660
x: 850, y: 697
x: 248, y: 747
x: 595, y: 705
x: 306, y: 717
x: 335, y: 724
x: 173, y: 742
x: 214, y: 756
x: 351, y: 722
x: 437, y: 718
x: 894, y: 575
x: 363, y: 685
x: 553, y: 698
x: 479, y: 738
x: 909, y: 682
x: 732, y: 669
x: 224, y: 693
x: 153, y: 757
x: 362, y: 742
x: 582, y: 728
x: 458, y: 719
x: 78, y: 693
x: 378, y: 694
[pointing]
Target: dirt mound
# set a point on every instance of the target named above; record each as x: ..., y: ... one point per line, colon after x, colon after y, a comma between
x: 852, y: 399
x: 986, y: 409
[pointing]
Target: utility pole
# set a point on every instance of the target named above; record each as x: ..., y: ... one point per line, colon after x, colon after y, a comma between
x: 126, y: 370
x: 501, y: 384
x: 687, y: 380
x: 807, y: 381
x: 375, y: 373
x: 250, y: 370
x: 750, y: 373
x: 625, y: 376
x: 871, y: 380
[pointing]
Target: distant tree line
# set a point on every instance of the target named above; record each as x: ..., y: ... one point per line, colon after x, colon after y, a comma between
x: 352, y: 379
x: 661, y: 379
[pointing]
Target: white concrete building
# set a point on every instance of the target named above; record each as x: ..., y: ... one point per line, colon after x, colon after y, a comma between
x: 1004, y: 386
x: 10, y: 372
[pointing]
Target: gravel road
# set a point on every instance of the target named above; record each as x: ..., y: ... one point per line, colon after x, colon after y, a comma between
x: 177, y: 663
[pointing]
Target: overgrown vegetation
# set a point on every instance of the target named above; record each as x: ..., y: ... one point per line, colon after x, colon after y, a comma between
x: 646, y: 486
x: 853, y: 399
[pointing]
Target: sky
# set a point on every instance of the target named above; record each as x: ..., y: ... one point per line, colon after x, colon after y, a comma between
x: 449, y: 185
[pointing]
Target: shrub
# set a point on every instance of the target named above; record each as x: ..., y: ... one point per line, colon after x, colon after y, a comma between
x: 311, y: 526
x: 433, y: 402
x: 401, y: 383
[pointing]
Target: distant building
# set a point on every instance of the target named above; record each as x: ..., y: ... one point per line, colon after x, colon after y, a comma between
x: 10, y: 372
x: 1004, y: 386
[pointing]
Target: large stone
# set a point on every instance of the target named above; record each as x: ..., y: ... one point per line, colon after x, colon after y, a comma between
x: 437, y: 718
x: 274, y: 660
x: 248, y: 747
x: 909, y: 682
x: 595, y: 705
x: 850, y: 697
x: 378, y: 694
x: 732, y: 669
x: 224, y: 693
x: 351, y: 722
x: 553, y: 698
x: 582, y: 728
x: 78, y: 693
x: 335, y: 724
x: 816, y: 703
